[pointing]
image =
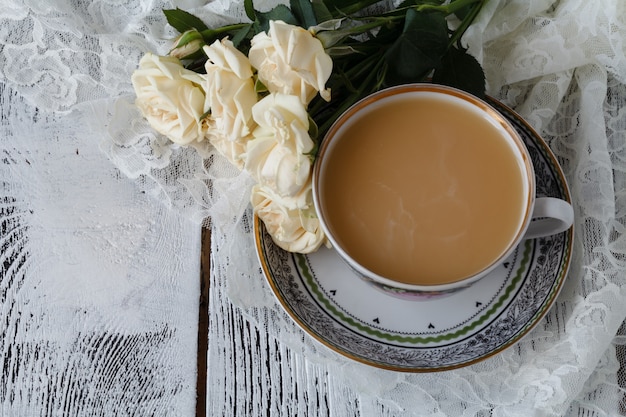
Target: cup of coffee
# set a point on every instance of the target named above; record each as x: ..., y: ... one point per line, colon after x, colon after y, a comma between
x: 424, y: 189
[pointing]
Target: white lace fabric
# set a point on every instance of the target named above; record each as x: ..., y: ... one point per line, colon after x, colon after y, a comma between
x: 560, y: 64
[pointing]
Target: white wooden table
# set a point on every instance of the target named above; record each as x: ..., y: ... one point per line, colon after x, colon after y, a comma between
x: 90, y: 323
x: 108, y: 302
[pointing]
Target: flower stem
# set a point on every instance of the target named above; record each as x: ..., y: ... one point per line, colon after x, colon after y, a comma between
x: 467, y: 20
x: 212, y: 34
x: 449, y: 8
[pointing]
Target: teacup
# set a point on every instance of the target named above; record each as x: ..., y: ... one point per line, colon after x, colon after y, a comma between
x: 424, y: 189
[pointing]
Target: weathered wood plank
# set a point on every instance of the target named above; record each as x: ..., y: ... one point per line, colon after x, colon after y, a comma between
x: 251, y: 373
x: 203, y: 321
x: 98, y: 282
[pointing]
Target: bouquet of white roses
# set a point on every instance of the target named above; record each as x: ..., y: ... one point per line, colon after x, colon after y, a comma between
x: 263, y: 93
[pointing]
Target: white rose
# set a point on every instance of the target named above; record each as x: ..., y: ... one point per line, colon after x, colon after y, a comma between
x: 233, y: 150
x: 229, y: 90
x: 290, y: 60
x: 294, y: 230
x: 170, y: 98
x: 275, y: 157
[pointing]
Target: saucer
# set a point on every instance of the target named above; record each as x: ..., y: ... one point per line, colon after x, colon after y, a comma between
x: 326, y: 299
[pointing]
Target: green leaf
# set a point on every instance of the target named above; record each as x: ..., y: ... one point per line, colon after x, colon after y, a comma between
x: 465, y: 10
x: 241, y: 34
x: 205, y: 115
x: 259, y: 87
x: 313, y: 132
x: 338, y: 51
x: 330, y: 38
x: 340, y: 8
x: 280, y: 12
x: 418, y: 50
x: 183, y: 21
x: 249, y: 7
x: 462, y: 71
x: 322, y: 13
x: 303, y: 11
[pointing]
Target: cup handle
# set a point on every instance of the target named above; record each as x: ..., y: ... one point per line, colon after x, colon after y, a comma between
x: 550, y: 216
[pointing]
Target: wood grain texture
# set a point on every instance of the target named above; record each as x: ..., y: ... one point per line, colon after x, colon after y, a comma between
x: 203, y: 321
x: 252, y: 373
x: 98, y: 282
